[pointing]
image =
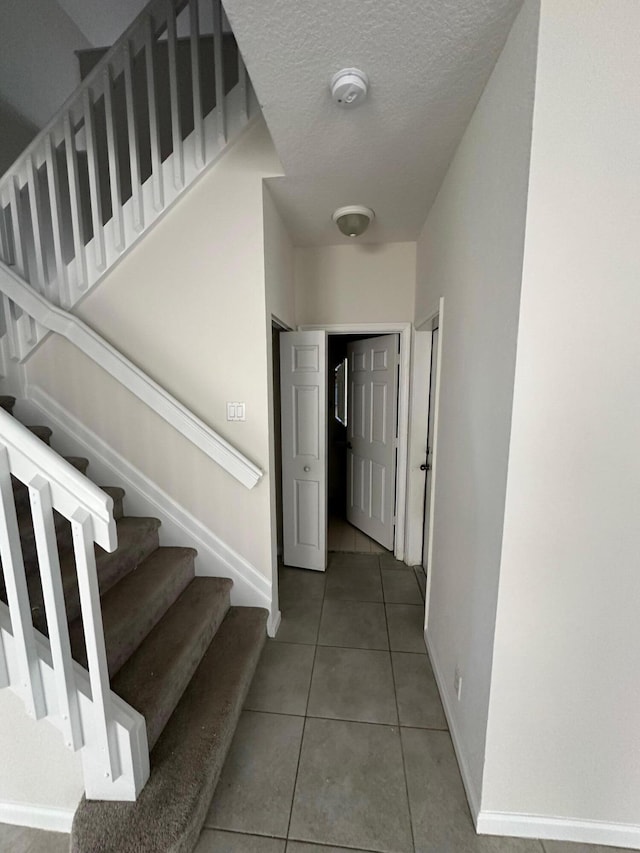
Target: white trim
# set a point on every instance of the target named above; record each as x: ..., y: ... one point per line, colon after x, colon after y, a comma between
x: 434, y: 463
x: 71, y: 491
x: 273, y: 623
x: 559, y: 828
x: 179, y: 527
x: 404, y: 330
x: 130, y: 376
x: 48, y: 818
x: 473, y: 796
x: 418, y: 421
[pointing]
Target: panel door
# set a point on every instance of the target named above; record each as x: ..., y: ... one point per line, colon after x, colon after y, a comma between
x: 303, y: 384
x: 372, y: 436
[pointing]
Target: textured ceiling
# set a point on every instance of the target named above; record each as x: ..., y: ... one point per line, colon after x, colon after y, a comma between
x: 428, y: 62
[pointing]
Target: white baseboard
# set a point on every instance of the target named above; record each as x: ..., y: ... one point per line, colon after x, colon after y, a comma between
x: 179, y: 527
x: 273, y: 622
x: 473, y: 796
x: 37, y: 817
x: 559, y: 829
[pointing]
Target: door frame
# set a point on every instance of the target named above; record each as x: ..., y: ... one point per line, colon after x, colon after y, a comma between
x: 421, y: 377
x: 404, y: 331
x: 275, y: 617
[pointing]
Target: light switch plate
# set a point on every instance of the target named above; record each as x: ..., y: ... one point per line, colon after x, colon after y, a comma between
x: 236, y: 411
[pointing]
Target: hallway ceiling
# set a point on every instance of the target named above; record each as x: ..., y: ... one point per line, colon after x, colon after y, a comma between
x: 427, y: 61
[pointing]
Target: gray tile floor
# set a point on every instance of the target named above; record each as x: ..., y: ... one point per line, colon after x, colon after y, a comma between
x: 343, y: 745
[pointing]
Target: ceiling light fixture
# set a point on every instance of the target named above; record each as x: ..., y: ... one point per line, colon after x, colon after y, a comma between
x: 353, y: 220
x: 349, y: 87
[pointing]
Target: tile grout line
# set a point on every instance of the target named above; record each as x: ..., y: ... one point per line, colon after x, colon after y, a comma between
x: 304, y: 725
x: 395, y: 696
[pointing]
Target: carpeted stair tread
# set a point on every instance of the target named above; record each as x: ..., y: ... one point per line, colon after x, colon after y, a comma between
x: 28, y: 537
x: 117, y: 494
x: 137, y: 538
x: 41, y: 432
x: 188, y: 758
x: 157, y: 581
x: 78, y: 462
x: 156, y: 675
x: 21, y: 492
x: 7, y: 402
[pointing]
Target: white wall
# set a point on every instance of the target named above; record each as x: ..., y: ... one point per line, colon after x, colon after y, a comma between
x: 187, y: 305
x: 564, y: 733
x: 40, y: 779
x: 38, y: 67
x: 470, y: 252
x: 355, y: 283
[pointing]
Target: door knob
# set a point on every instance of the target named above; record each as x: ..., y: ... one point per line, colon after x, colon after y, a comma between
x: 307, y: 468
x: 425, y: 466
x: 349, y: 446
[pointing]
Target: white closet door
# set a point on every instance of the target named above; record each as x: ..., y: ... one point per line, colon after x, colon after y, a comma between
x: 372, y: 436
x: 303, y: 379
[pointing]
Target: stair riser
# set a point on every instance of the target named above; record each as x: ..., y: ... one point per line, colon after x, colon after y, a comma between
x: 155, y: 677
x: 123, y: 636
x: 188, y: 758
x: 108, y: 575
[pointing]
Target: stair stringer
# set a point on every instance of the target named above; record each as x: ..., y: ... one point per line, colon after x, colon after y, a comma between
x: 144, y: 497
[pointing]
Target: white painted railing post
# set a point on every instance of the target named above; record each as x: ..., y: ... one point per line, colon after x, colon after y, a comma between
x: 53, y: 594
x: 15, y: 580
x: 176, y: 123
x: 55, y: 207
x: 94, y: 639
x: 198, y: 127
x: 221, y: 111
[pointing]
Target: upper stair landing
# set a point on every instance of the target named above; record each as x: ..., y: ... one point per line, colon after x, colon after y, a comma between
x: 155, y: 110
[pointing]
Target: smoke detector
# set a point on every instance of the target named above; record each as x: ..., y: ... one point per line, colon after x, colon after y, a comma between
x: 349, y: 87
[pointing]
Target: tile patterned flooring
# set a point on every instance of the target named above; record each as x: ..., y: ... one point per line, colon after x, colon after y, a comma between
x: 343, y: 745
x: 342, y: 536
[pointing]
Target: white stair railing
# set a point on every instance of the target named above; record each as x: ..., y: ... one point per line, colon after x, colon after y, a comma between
x: 110, y: 735
x: 153, y: 113
x: 50, y: 318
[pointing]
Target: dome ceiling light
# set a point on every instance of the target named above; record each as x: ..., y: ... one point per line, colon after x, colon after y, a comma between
x: 353, y: 220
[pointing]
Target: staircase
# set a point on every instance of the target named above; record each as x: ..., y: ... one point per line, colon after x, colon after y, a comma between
x: 176, y: 652
x: 141, y: 665
x: 151, y: 114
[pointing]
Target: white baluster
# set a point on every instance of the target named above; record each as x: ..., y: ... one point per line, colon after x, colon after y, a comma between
x: 5, y: 239
x: 35, y: 205
x: 83, y: 547
x: 19, y: 256
x: 12, y: 331
x: 53, y: 179
x: 53, y: 593
x: 134, y: 160
x: 15, y: 580
x: 76, y: 204
x: 94, y: 182
x: 114, y: 164
x: 198, y: 126
x: 25, y: 330
x: 4, y: 671
x: 176, y: 124
x: 221, y: 103
x: 154, y: 133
